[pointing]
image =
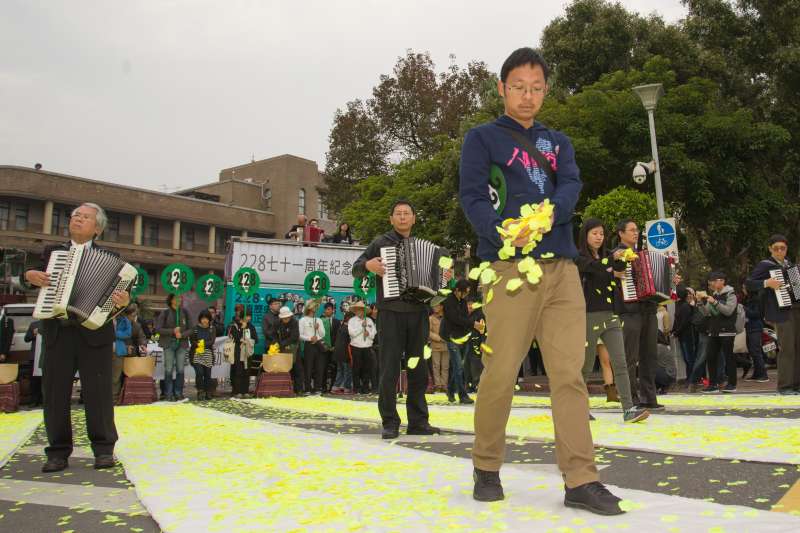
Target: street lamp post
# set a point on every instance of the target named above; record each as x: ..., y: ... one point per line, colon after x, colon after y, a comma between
x: 649, y: 94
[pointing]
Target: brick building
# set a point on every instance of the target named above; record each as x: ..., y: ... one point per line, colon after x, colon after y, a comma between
x: 153, y: 229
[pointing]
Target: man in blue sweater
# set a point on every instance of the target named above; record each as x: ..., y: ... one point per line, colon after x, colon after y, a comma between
x: 499, y: 174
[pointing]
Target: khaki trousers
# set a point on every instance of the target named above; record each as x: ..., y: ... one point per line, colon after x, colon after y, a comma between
x: 441, y: 367
x: 554, y: 313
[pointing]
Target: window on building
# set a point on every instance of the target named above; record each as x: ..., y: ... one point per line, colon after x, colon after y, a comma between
x: 111, y: 233
x: 322, y: 210
x: 301, y: 202
x: 5, y: 215
x: 188, y: 238
x: 61, y: 216
x: 221, y: 240
x: 151, y: 234
x: 21, y: 218
x: 266, y: 195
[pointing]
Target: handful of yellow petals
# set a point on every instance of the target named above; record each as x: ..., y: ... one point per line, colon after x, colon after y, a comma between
x: 535, y: 220
x: 274, y: 349
x: 630, y: 255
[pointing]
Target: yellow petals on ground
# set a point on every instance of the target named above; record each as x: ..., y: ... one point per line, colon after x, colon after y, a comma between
x: 15, y: 428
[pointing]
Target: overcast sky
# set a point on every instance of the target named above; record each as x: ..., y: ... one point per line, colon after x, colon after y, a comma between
x: 168, y: 92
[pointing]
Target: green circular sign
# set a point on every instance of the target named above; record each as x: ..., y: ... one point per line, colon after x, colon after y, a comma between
x: 246, y: 281
x: 364, y: 287
x: 498, y: 191
x: 317, y: 284
x: 140, y: 283
x: 177, y: 278
x: 209, y: 287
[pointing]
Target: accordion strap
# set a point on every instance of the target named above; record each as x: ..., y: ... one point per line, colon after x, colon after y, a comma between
x: 534, y: 152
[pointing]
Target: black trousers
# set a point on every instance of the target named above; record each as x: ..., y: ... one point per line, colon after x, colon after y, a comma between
x: 721, y: 347
x: 298, y: 373
x: 362, y: 368
x: 403, y: 334
x: 202, y: 378
x: 69, y: 353
x: 240, y: 378
x: 315, y: 367
x: 640, y: 332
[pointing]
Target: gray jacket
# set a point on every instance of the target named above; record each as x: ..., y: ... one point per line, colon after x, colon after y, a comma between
x: 722, y: 315
x: 165, y: 327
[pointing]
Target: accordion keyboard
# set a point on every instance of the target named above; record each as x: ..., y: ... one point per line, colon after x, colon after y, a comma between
x: 629, y: 284
x: 391, y: 281
x: 783, y: 295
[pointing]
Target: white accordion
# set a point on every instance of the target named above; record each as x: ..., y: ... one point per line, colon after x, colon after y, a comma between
x: 82, y: 280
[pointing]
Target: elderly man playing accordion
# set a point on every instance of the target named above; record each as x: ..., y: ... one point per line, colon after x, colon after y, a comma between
x: 72, y: 347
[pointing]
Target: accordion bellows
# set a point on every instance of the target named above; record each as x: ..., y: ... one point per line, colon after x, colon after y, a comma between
x: 412, y: 270
x: 82, y: 280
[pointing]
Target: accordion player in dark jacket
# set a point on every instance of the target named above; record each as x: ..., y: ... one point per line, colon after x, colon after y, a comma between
x: 71, y: 347
x: 403, y: 330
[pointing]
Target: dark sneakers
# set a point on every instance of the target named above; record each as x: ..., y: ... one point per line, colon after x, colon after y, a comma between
x: 104, y: 461
x: 593, y: 497
x: 423, y: 430
x: 487, y: 486
x: 55, y: 465
x: 390, y: 433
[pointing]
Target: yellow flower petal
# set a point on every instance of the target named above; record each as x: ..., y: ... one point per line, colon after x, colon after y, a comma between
x: 412, y: 362
x: 446, y: 262
x: 514, y: 284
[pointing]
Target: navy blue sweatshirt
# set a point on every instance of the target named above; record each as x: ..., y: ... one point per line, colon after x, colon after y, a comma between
x: 498, y: 176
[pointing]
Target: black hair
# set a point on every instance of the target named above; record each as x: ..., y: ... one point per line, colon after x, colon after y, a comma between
x: 462, y: 284
x: 402, y: 202
x: 588, y: 225
x: 329, y: 305
x: 682, y: 291
x: 273, y: 300
x: 778, y: 238
x: 170, y: 298
x: 717, y: 274
x: 521, y: 57
x: 204, y: 314
x: 622, y: 225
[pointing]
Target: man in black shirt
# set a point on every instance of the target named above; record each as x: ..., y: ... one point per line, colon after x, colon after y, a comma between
x: 403, y: 329
x: 455, y: 331
x: 640, y: 329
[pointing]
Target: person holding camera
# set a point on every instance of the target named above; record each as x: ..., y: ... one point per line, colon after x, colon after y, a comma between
x: 720, y: 307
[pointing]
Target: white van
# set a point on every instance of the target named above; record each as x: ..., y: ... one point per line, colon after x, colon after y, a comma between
x: 22, y: 315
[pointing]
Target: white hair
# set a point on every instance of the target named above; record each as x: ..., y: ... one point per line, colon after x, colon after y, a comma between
x: 100, y: 217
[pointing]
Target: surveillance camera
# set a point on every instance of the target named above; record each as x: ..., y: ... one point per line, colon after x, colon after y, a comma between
x: 641, y: 170
x: 639, y: 174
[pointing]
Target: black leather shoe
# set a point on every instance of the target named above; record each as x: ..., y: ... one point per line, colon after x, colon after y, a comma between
x: 104, y: 461
x: 55, y: 465
x: 466, y: 400
x: 423, y: 430
x: 593, y: 497
x: 390, y: 433
x: 487, y: 486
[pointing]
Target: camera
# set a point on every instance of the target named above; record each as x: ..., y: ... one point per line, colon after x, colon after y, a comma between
x: 641, y: 170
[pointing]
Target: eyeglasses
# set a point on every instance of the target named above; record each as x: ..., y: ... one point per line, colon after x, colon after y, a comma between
x: 779, y: 248
x: 84, y: 216
x: 521, y: 90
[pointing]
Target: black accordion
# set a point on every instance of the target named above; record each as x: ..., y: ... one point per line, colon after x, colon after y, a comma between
x: 413, y: 273
x: 82, y: 280
x: 789, y: 292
